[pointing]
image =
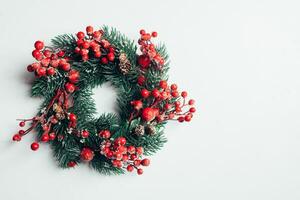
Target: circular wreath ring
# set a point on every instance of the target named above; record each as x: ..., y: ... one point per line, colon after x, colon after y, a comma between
x: 66, y: 73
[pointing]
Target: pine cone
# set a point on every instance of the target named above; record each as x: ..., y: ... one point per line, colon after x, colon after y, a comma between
x: 150, y: 129
x: 59, y: 112
x: 124, y: 64
x: 139, y: 130
x: 57, y: 108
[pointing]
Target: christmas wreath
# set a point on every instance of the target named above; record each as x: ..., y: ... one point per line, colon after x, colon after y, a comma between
x: 66, y: 73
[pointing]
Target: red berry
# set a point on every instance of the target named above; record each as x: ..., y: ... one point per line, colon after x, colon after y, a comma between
x: 17, y: 138
x: 118, y: 156
x: 117, y: 163
x: 80, y: 35
x: 168, y: 106
x: 148, y: 114
x: 184, y: 94
x: 137, y: 104
x: 47, y: 53
x: 60, y: 53
x: 36, y: 65
x: 140, y: 171
x: 163, y: 84
x: 105, y: 134
x: 137, y: 163
x: 84, y: 52
x: 111, y: 49
x: 191, y: 102
x: 171, y: 116
x: 154, y: 34
x: 45, y: 62
x: 180, y: 119
x: 97, y: 34
x: 141, y: 80
x: 54, y: 57
x: 71, y: 164
x: 104, y: 60
x: 164, y: 95
x: 54, y: 63
x: 85, y: 45
x: 174, y: 94
x: 70, y: 87
x: 85, y: 58
x: 51, y: 71
x: 173, y: 87
x: 73, y: 76
x: 52, y: 136
x: 133, y: 156
x: 146, y: 36
x: 192, y: 109
x: 41, y: 71
x: 21, y: 132
x: 85, y: 134
x: 142, y: 32
x: 155, y: 93
x: 178, y: 109
x: 22, y: 124
x: 65, y: 66
x: 109, y: 154
x: 131, y: 149
x: 145, y: 93
x: 144, y: 61
x: 111, y: 56
x: 89, y: 30
x: 139, y: 150
x: 34, y: 146
x: 130, y: 168
x: 45, y: 137
x: 87, y: 154
x: 97, y: 54
x: 125, y: 157
x: 39, y: 45
x: 37, y: 54
x: 120, y: 141
x: 156, y: 111
x: 79, y: 42
x: 72, y: 117
x: 30, y: 68
x: 77, y: 50
x: 45, y: 128
x: 145, y: 162
x: 188, y: 118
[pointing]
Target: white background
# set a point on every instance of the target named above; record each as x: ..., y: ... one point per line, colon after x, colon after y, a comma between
x: 240, y: 60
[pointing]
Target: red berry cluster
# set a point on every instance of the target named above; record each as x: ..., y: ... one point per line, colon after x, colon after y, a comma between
x: 92, y: 44
x: 148, y: 50
x: 49, y: 116
x: 122, y: 156
x: 48, y: 61
x: 166, y: 103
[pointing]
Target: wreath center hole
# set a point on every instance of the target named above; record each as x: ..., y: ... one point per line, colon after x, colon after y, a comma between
x: 105, y: 97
